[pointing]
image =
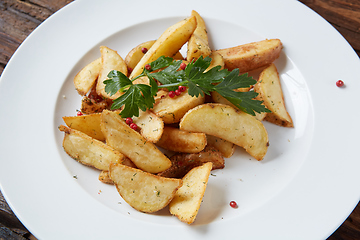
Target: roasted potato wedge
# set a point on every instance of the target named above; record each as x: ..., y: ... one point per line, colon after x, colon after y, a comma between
x: 88, y: 124
x: 186, y: 203
x: 167, y: 44
x: 198, y: 44
x: 88, y: 150
x: 110, y: 60
x: 171, y: 110
x: 86, y: 78
x: 141, y: 190
x: 144, y: 154
x: 135, y: 55
x: 176, y: 140
x: 182, y: 163
x: 270, y: 91
x: 226, y: 122
x: 151, y: 126
x: 226, y: 148
x: 251, y: 56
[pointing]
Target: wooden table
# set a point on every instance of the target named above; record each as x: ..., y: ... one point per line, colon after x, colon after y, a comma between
x: 18, y: 18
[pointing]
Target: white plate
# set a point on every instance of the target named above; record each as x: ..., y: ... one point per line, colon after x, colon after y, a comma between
x: 304, y: 188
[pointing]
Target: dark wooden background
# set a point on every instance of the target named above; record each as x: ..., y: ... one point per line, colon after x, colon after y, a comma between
x: 18, y: 18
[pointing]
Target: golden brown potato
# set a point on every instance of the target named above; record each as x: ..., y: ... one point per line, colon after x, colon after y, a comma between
x: 251, y: 56
x: 89, y: 151
x: 104, y: 177
x: 186, y: 203
x: 171, y: 110
x: 151, y: 126
x: 141, y: 190
x: 175, y: 140
x: 229, y: 124
x: 110, y: 60
x: 86, y: 78
x: 88, y: 124
x: 226, y: 148
x: 182, y: 163
x: 198, y: 44
x: 135, y: 55
x: 167, y: 44
x: 144, y: 154
x: 270, y: 91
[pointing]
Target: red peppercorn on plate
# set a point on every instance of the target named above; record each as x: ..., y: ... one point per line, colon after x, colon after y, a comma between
x: 305, y: 186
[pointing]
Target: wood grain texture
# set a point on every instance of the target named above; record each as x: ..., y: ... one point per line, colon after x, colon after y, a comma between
x: 19, y: 18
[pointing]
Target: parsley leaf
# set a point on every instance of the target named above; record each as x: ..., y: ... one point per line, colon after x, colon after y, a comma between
x: 243, y: 100
x: 117, y: 81
x: 137, y: 96
x: 195, y: 76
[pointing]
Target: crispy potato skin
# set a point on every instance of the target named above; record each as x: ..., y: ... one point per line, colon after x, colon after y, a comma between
x: 94, y: 103
x: 251, y: 56
x: 182, y: 163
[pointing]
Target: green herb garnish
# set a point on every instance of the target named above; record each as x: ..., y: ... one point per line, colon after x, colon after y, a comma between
x: 199, y: 82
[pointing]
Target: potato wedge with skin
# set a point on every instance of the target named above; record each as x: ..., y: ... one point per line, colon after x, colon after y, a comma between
x: 171, y: 110
x: 88, y: 124
x: 198, y: 44
x: 226, y: 122
x: 143, y: 191
x: 251, y: 56
x: 226, y: 148
x: 167, y: 44
x: 186, y: 203
x: 86, y: 78
x: 144, y: 154
x: 217, y: 98
x: 89, y: 151
x: 110, y: 60
x: 176, y: 140
x: 182, y: 163
x: 151, y: 126
x: 270, y: 91
x: 135, y: 55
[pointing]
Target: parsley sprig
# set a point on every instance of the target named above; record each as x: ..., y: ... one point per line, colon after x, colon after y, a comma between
x: 194, y: 76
